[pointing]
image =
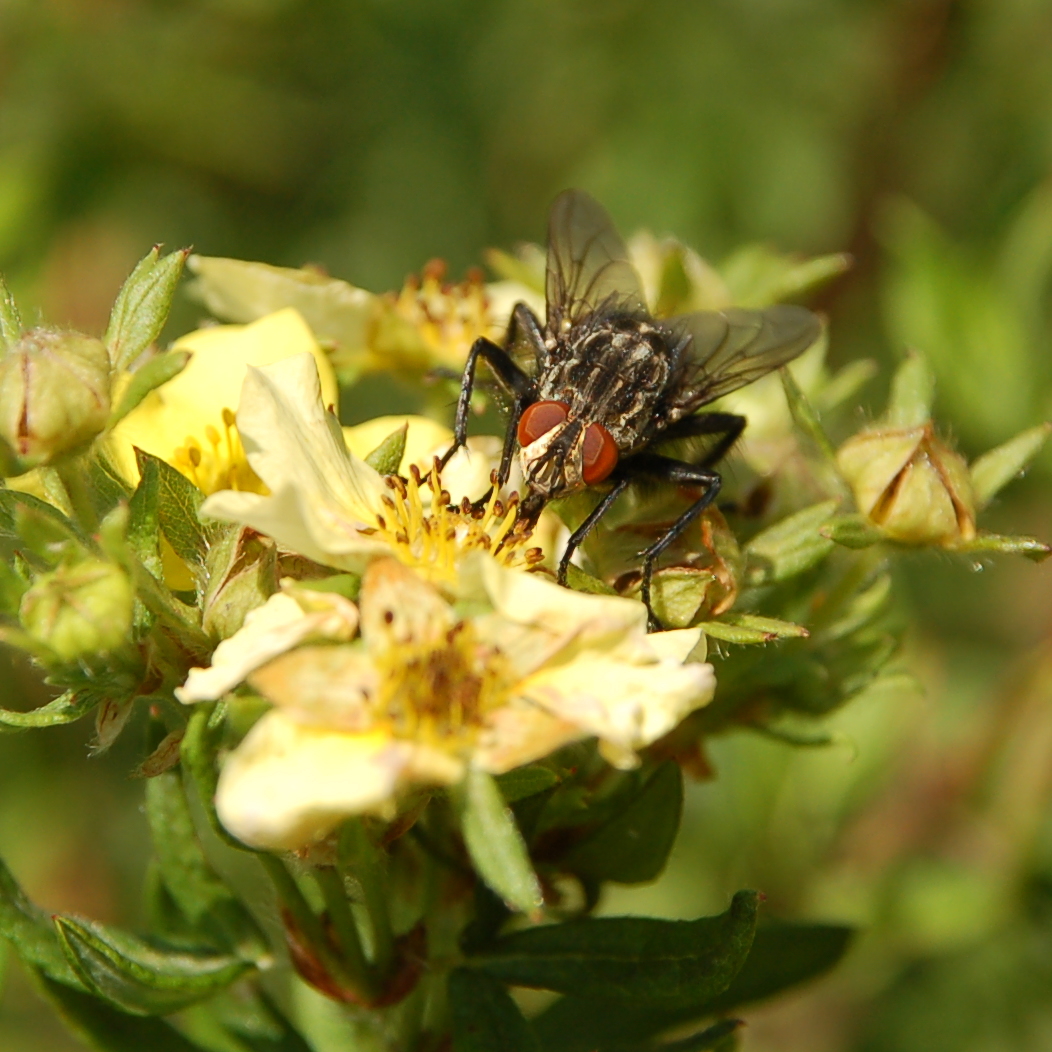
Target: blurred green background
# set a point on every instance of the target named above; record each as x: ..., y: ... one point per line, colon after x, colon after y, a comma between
x: 371, y: 136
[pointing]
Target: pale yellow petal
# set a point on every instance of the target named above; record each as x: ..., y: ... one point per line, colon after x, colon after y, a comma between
x: 278, y: 625
x: 521, y: 733
x: 288, y: 784
x: 678, y: 644
x: 398, y: 607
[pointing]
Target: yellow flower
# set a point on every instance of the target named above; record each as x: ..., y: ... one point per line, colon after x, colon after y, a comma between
x: 515, y: 670
x: 327, y: 504
x: 189, y: 421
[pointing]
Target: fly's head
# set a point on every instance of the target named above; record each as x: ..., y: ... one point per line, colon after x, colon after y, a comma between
x: 561, y: 453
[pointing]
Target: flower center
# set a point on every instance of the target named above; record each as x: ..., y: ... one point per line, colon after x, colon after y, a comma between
x: 221, y: 464
x: 433, y: 539
x: 440, y: 690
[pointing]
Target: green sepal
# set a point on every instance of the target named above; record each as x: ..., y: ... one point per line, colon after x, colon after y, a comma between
x: 805, y: 416
x: 29, y: 930
x: 484, y: 1016
x: 789, y: 547
x: 632, y: 960
x: 912, y: 392
x: 634, y: 844
x: 757, y: 276
x: 169, y: 497
x: 11, y: 327
x: 1030, y: 547
x: 387, y: 457
x: 999, y: 466
x: 494, y: 842
x: 140, y: 978
x: 746, y: 629
x: 246, y: 1020
x: 852, y: 531
x: 39, y: 526
x: 213, y: 911
x: 582, y: 581
x: 142, y: 305
x: 68, y: 707
x: 105, y: 1028
x: 523, y: 782
x: 148, y: 377
x: 349, y: 585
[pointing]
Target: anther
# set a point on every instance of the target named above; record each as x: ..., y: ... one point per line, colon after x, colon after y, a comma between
x: 228, y: 417
x: 465, y: 506
x: 387, y: 502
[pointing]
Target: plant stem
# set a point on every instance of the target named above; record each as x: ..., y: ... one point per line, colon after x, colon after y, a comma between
x: 335, y: 894
x: 361, y: 857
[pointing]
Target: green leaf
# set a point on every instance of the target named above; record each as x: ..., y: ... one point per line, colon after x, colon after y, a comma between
x: 757, y: 276
x: 10, y: 318
x: 178, y: 501
x: 66, y: 708
x: 1033, y: 549
x: 523, y: 782
x: 387, y: 457
x: 633, y: 846
x: 805, y: 416
x: 253, y: 1021
x: 789, y: 547
x: 633, y: 960
x: 495, y: 844
x: 30, y: 932
x: 751, y: 628
x: 142, y: 305
x: 782, y: 956
x: 349, y: 585
x: 484, y: 1016
x: 138, y: 977
x: 582, y: 581
x: 148, y: 377
x: 713, y: 1037
x: 107, y: 1029
x: 39, y: 526
x: 852, y: 531
x: 999, y: 466
x: 212, y: 909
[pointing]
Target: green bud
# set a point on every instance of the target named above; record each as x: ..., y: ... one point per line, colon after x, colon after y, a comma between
x: 79, y: 610
x: 911, y: 485
x: 54, y: 394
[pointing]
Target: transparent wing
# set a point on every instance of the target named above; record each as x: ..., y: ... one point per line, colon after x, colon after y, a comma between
x: 588, y: 265
x: 731, y: 348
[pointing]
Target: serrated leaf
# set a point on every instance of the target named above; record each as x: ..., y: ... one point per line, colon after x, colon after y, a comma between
x: 178, y: 501
x: 523, y: 782
x: 999, y: 466
x: 635, y: 960
x: 105, y: 1028
x: 495, y: 844
x: 137, y: 977
x: 29, y: 930
x: 142, y: 305
x: 484, y: 1016
x: 790, y: 547
x: 148, y: 377
x: 387, y: 457
x: 633, y: 845
x: 196, y: 888
x: 66, y: 708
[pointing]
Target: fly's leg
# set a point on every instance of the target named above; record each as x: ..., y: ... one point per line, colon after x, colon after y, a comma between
x: 516, y: 382
x: 586, y: 527
x: 729, y: 425
x: 679, y: 473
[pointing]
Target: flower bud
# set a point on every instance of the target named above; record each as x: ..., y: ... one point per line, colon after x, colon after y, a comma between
x: 54, y: 394
x: 911, y: 485
x: 79, y: 610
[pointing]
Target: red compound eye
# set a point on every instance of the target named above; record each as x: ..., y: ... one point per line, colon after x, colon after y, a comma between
x: 539, y: 418
x: 600, y: 454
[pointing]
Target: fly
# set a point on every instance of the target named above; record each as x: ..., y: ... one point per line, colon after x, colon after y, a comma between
x: 609, y: 381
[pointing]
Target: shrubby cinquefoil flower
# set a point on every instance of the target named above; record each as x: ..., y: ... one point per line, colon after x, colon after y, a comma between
x: 430, y: 688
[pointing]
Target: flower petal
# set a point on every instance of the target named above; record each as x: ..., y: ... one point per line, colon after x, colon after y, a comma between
x: 278, y: 625
x: 287, y: 784
x: 521, y: 733
x: 399, y: 607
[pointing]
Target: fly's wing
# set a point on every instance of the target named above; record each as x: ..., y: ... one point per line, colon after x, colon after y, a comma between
x: 731, y: 348
x: 588, y: 265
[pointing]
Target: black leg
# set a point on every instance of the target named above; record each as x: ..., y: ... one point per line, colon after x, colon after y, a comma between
x: 678, y: 473
x: 586, y: 527
x: 729, y: 425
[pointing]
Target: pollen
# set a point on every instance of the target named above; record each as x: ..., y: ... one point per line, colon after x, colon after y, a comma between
x: 219, y: 462
x: 428, y: 535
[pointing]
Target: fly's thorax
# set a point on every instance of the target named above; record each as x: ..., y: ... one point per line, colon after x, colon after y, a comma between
x: 614, y: 371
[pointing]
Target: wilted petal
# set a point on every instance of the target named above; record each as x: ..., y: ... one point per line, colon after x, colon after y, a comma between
x: 288, y: 783
x: 278, y: 625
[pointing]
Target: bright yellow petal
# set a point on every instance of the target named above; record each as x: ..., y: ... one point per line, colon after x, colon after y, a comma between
x: 288, y: 784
